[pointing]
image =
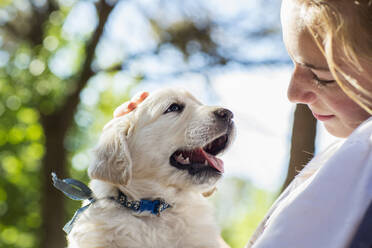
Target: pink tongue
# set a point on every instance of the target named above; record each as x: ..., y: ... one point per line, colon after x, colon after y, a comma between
x: 212, y: 160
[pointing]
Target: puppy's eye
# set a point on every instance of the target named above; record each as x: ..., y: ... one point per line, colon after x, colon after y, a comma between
x: 174, y: 107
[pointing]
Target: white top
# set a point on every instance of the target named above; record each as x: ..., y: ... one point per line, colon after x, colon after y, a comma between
x: 327, y: 200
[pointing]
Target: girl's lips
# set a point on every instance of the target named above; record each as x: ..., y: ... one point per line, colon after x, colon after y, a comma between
x: 322, y: 117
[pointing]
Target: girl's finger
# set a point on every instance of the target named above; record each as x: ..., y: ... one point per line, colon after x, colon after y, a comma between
x: 127, y: 107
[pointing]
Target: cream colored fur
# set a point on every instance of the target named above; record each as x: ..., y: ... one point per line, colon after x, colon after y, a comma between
x: 133, y: 156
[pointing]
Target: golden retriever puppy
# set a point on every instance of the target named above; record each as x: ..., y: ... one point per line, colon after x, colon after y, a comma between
x: 151, y: 167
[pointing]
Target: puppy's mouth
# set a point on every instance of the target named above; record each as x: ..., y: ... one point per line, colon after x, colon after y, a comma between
x: 201, y: 159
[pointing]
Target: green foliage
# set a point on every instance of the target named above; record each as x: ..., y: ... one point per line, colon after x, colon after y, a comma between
x: 28, y: 89
x: 240, y: 207
x: 21, y: 151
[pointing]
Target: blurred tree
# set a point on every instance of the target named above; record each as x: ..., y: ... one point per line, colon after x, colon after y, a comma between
x: 61, y: 62
x: 302, y: 142
x: 38, y: 111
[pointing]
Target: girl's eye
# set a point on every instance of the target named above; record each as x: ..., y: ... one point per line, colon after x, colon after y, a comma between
x: 322, y: 82
x: 174, y: 107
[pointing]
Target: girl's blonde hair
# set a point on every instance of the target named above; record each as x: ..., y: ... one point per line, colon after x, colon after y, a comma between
x: 343, y: 27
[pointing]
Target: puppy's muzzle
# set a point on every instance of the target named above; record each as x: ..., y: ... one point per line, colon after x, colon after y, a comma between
x: 201, y: 161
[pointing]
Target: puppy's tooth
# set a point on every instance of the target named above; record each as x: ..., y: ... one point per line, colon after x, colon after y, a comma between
x: 179, y: 158
x: 205, y: 162
x: 187, y: 160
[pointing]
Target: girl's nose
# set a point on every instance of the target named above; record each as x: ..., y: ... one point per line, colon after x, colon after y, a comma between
x: 301, y: 87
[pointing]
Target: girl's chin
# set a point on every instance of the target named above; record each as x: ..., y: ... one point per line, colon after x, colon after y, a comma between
x: 338, y: 129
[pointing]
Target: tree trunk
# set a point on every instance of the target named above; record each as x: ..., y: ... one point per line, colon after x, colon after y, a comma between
x: 302, y: 142
x: 53, y: 212
x: 55, y: 127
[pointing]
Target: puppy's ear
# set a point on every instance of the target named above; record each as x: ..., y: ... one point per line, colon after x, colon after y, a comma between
x: 112, y: 158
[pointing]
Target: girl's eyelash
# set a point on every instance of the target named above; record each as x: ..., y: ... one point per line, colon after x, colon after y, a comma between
x: 322, y: 82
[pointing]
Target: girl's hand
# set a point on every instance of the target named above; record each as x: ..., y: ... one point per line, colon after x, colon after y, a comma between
x: 127, y: 107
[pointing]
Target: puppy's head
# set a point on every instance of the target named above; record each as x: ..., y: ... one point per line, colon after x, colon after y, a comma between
x: 171, y: 138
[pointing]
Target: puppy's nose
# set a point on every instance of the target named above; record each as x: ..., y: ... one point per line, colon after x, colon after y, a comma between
x: 223, y: 114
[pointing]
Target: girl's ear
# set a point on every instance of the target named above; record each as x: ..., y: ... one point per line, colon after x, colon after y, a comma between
x: 112, y: 161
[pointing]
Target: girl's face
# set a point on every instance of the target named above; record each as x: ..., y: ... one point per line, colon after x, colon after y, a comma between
x: 312, y: 83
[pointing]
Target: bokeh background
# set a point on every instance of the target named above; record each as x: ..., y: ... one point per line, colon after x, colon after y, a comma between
x: 66, y: 64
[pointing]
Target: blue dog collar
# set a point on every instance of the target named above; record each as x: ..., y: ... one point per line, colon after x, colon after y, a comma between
x: 78, y: 191
x: 153, y: 206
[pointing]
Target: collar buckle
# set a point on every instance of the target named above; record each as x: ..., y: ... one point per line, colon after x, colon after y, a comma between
x: 153, y: 206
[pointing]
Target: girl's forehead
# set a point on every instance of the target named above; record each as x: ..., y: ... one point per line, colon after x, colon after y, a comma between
x: 300, y: 44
